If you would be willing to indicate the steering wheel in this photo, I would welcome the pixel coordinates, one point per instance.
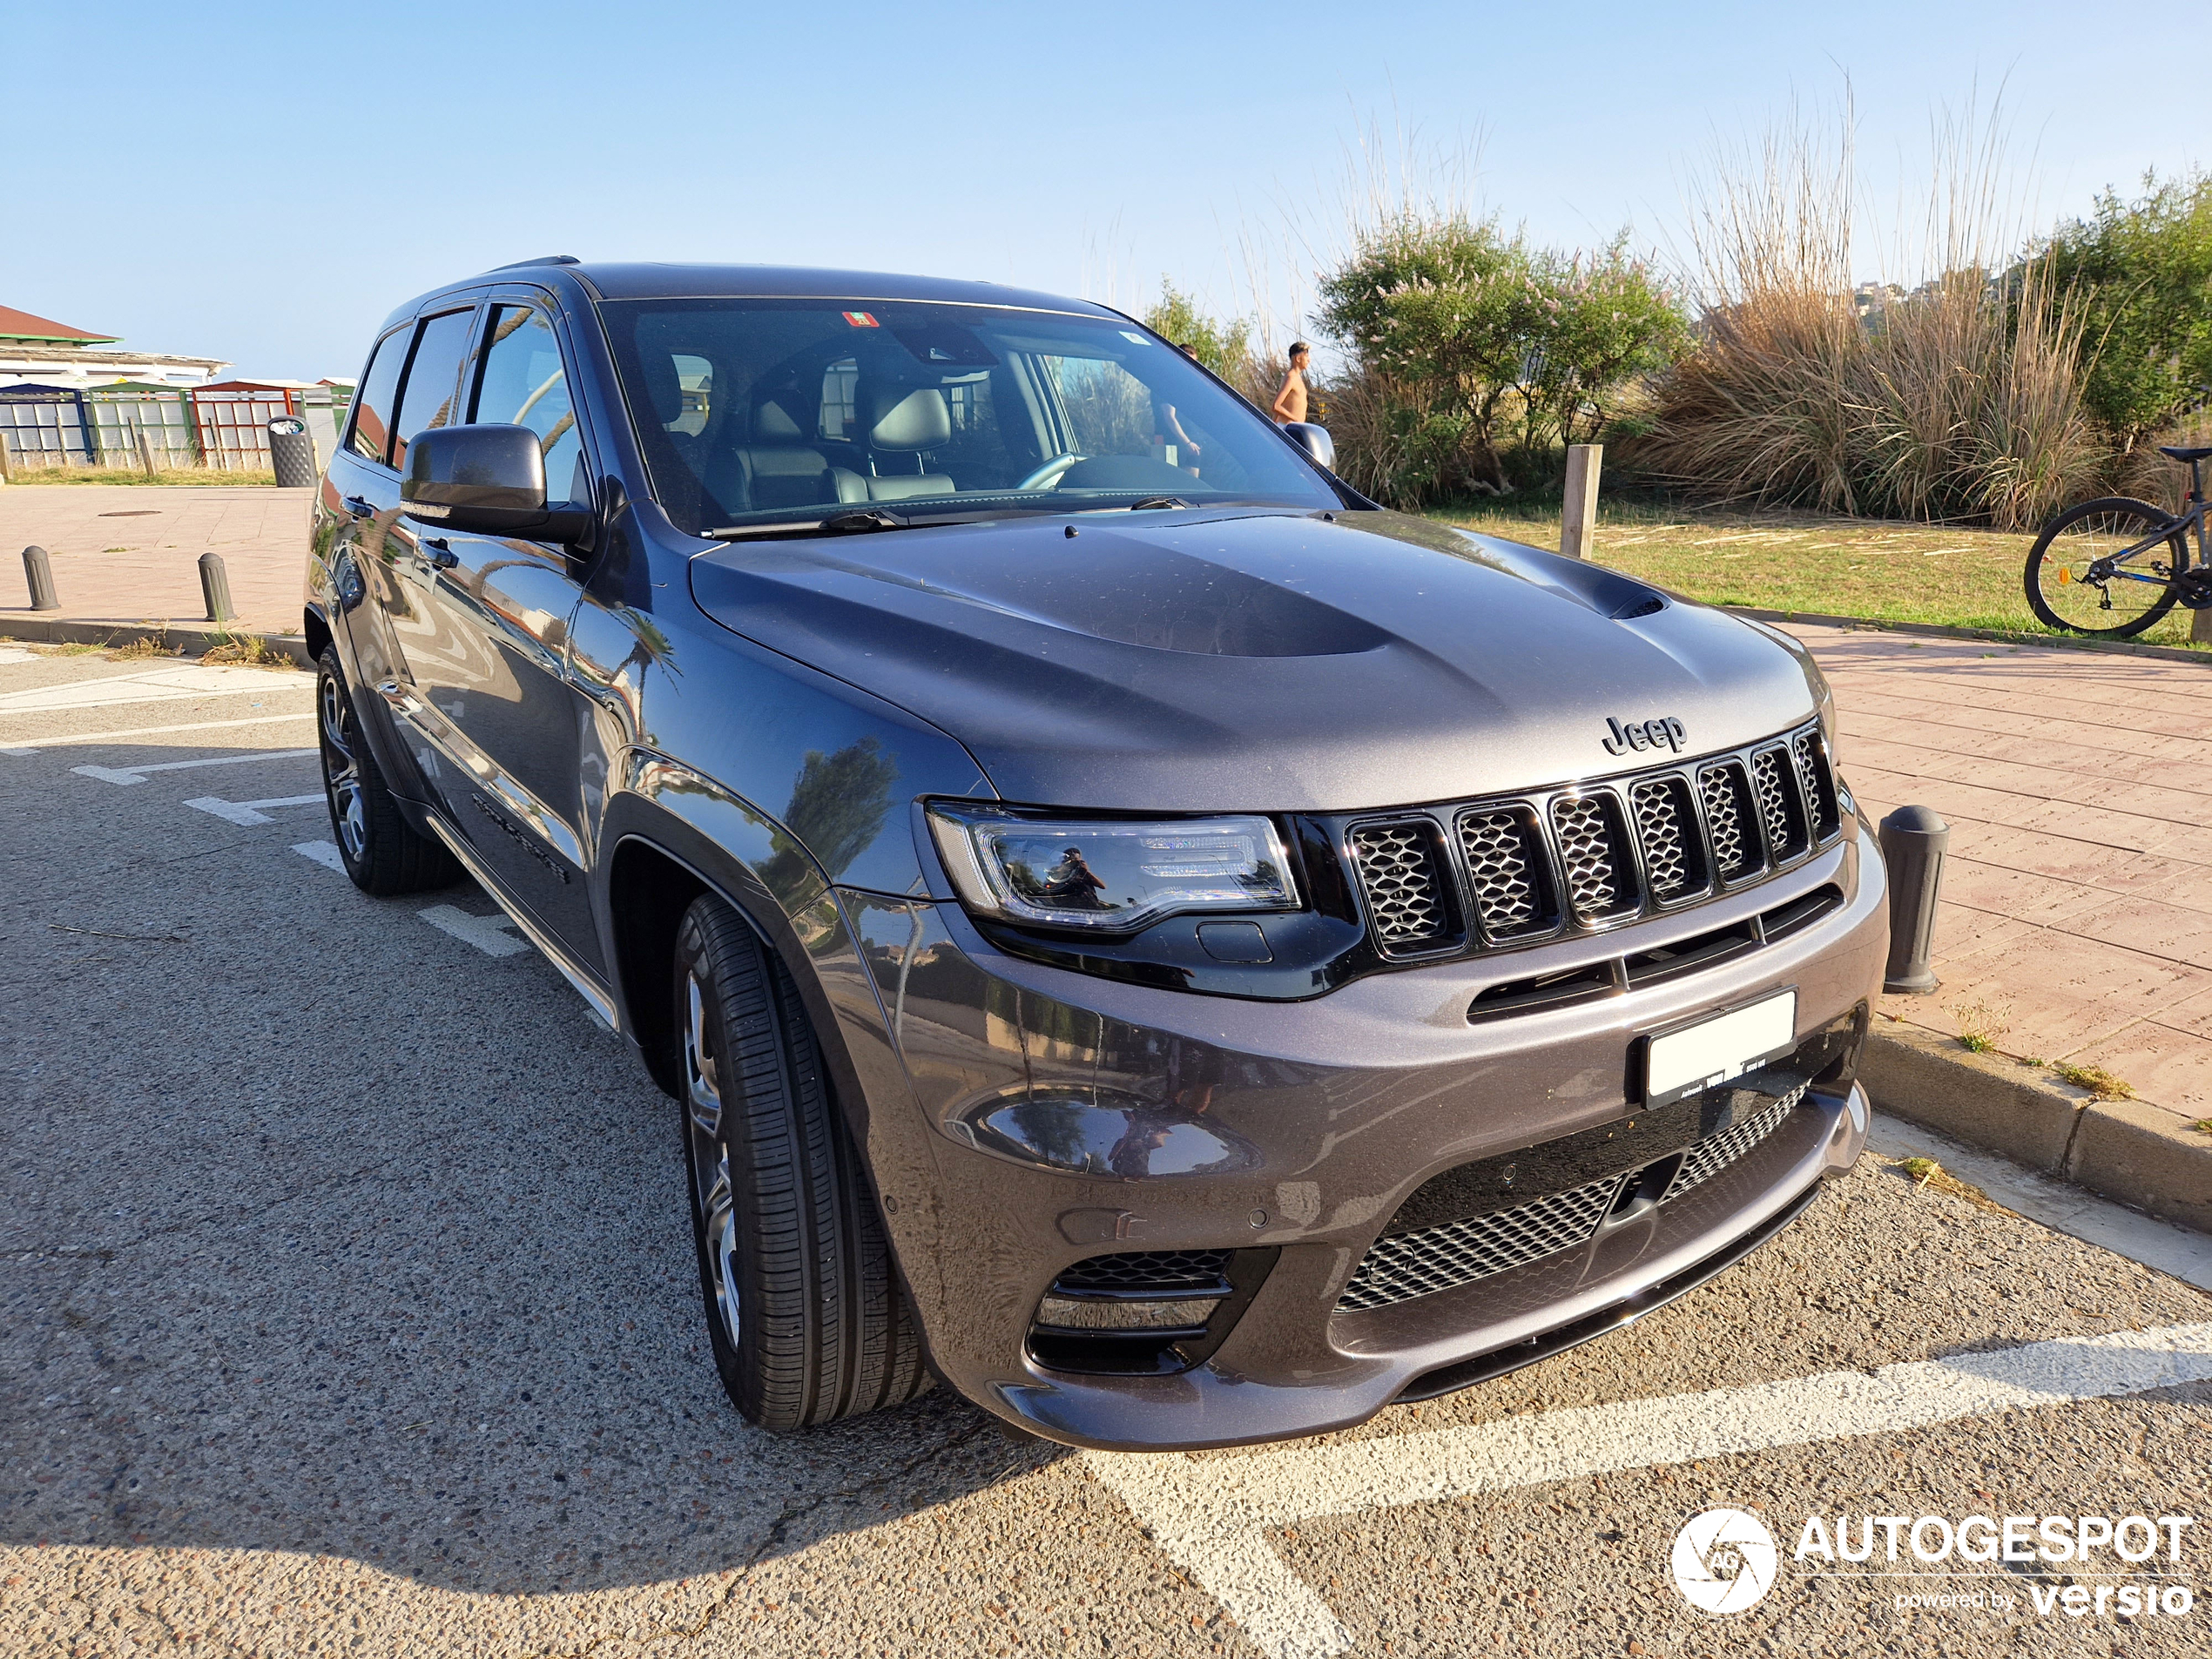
(1049, 474)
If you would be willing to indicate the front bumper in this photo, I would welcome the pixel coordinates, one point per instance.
(1298, 1130)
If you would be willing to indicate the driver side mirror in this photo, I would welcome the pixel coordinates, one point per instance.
(1315, 440)
(489, 480)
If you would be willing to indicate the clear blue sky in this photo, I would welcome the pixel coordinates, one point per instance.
(263, 182)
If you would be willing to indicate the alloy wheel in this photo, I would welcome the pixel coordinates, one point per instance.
(713, 1190)
(341, 771)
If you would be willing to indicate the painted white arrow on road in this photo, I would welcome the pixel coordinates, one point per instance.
(138, 774)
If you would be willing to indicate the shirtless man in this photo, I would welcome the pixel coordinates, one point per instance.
(1290, 402)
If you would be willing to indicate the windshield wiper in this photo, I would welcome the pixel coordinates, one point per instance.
(1153, 501)
(858, 520)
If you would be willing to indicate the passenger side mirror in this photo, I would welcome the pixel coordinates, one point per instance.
(489, 480)
(1314, 440)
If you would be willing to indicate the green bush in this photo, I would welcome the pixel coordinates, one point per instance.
(1473, 354)
(2140, 275)
(1225, 346)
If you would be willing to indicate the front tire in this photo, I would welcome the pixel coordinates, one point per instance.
(2065, 588)
(381, 850)
(805, 1312)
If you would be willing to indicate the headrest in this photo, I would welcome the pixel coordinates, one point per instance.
(902, 417)
(773, 422)
(661, 384)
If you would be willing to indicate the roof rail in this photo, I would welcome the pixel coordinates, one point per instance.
(543, 259)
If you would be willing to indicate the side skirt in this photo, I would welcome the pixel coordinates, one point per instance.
(580, 979)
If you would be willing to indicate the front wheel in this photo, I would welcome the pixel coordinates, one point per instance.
(381, 850)
(806, 1315)
(2081, 577)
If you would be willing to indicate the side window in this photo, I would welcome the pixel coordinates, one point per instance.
(695, 376)
(427, 399)
(370, 435)
(520, 383)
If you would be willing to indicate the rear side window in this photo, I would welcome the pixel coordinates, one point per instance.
(433, 379)
(370, 436)
(520, 383)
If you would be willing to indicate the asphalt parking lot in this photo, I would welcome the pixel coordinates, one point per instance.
(350, 1308)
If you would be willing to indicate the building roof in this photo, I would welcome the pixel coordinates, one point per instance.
(21, 326)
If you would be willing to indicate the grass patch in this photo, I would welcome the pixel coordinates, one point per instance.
(1980, 1024)
(1927, 1174)
(2097, 1081)
(250, 648)
(1880, 569)
(143, 646)
(29, 477)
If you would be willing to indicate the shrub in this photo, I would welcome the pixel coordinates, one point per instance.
(1225, 346)
(1959, 400)
(1466, 346)
(2141, 274)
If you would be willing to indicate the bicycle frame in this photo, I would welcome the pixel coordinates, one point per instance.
(2103, 570)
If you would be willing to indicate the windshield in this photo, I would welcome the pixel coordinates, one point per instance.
(762, 412)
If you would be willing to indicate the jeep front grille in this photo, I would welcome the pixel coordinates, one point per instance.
(1781, 814)
(1399, 1267)
(1667, 830)
(1505, 859)
(1593, 857)
(1399, 875)
(1730, 820)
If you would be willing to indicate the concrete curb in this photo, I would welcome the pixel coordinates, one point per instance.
(196, 639)
(2138, 1154)
(1995, 635)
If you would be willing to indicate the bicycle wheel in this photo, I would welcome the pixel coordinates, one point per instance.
(2075, 581)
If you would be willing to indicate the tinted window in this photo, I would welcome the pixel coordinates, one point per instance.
(433, 375)
(371, 433)
(520, 383)
(774, 412)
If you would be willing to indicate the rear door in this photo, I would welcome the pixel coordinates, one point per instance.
(489, 667)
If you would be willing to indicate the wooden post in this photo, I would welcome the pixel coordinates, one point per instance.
(2201, 626)
(145, 453)
(1578, 518)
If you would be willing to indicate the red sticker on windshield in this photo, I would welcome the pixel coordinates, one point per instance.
(862, 319)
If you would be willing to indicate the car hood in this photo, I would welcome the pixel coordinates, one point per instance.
(1256, 661)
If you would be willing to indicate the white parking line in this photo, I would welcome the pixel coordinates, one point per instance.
(323, 853)
(249, 812)
(1209, 1517)
(153, 685)
(486, 933)
(138, 775)
(17, 654)
(31, 745)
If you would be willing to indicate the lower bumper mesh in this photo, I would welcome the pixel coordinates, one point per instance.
(1400, 1267)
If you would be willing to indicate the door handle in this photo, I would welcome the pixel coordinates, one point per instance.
(358, 507)
(443, 557)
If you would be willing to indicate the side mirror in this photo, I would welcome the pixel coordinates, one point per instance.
(489, 480)
(1315, 440)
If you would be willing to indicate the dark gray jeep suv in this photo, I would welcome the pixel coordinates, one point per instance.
(1134, 931)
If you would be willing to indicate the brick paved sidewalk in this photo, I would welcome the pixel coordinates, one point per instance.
(2077, 899)
(157, 534)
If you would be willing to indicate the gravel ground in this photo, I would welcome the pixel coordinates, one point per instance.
(350, 1308)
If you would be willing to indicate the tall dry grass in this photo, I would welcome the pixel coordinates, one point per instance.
(1959, 402)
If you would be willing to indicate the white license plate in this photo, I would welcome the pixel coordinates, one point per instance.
(1709, 1053)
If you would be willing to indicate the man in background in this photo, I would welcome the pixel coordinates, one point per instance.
(1290, 402)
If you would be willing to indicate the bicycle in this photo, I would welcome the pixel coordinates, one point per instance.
(2113, 566)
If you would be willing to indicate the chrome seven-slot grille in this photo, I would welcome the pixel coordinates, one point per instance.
(1589, 856)
(1400, 1266)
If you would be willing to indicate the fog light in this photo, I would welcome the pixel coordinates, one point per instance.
(1094, 1313)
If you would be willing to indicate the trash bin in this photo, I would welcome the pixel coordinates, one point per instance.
(292, 452)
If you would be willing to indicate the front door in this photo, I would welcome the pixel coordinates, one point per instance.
(491, 672)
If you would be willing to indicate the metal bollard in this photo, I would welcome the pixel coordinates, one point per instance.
(38, 570)
(1913, 839)
(215, 586)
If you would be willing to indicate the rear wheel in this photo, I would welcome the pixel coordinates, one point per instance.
(380, 848)
(805, 1312)
(2077, 583)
